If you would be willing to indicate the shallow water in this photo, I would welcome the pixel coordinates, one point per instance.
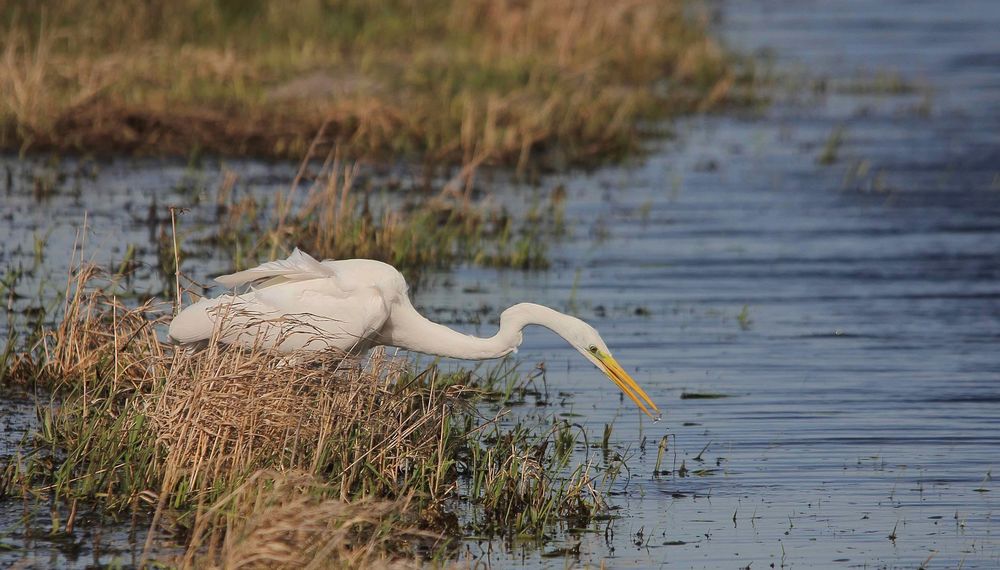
(865, 391)
(863, 380)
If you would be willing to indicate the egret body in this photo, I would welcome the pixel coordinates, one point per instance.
(351, 305)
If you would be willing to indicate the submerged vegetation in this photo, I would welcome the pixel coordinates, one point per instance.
(452, 80)
(238, 458)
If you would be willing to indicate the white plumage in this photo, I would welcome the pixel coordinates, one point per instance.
(297, 303)
(301, 304)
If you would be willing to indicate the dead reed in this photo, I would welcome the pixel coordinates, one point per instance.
(327, 214)
(287, 520)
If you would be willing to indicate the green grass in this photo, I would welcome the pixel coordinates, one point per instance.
(455, 80)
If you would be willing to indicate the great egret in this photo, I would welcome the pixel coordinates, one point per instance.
(351, 305)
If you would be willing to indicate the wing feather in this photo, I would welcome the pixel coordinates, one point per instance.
(310, 315)
(299, 266)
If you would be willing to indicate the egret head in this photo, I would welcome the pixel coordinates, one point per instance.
(588, 341)
(582, 337)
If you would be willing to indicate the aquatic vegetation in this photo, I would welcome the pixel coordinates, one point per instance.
(702, 395)
(512, 478)
(744, 319)
(831, 148)
(884, 82)
(330, 217)
(444, 79)
(238, 456)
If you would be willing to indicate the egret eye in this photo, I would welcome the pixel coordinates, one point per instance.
(593, 349)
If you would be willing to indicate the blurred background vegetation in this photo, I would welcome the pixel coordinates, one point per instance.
(458, 81)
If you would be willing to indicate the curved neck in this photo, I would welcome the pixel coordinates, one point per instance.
(410, 330)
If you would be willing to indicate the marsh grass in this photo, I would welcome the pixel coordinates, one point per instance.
(288, 519)
(453, 80)
(328, 215)
(132, 421)
(518, 478)
(831, 148)
(241, 458)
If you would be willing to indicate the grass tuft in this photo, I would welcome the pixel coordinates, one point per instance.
(329, 216)
(290, 520)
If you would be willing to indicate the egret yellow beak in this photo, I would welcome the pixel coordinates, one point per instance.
(621, 379)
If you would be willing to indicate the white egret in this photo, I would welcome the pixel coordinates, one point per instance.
(351, 305)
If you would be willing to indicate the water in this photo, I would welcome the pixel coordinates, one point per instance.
(862, 421)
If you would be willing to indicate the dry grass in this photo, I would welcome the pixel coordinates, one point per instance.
(453, 80)
(133, 421)
(326, 214)
(286, 520)
(243, 458)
